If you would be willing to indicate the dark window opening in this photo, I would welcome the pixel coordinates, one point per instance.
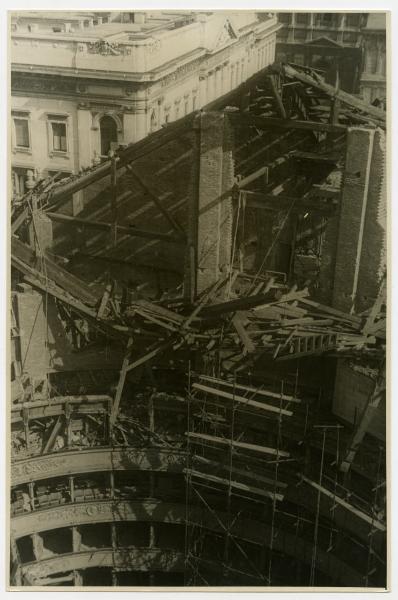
(22, 133)
(59, 137)
(25, 549)
(108, 131)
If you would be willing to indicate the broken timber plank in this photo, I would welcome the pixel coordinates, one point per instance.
(331, 91)
(51, 440)
(243, 335)
(277, 97)
(120, 385)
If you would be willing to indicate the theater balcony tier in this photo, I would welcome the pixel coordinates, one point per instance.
(249, 532)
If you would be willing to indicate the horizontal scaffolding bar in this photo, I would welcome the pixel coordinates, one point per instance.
(242, 400)
(253, 390)
(235, 484)
(243, 445)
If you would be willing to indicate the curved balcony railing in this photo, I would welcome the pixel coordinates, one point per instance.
(128, 559)
(250, 530)
(70, 462)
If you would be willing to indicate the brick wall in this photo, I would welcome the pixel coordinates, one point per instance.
(362, 228)
(214, 237)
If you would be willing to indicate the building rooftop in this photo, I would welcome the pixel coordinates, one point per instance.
(376, 21)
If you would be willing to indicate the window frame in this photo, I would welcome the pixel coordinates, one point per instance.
(55, 119)
(21, 116)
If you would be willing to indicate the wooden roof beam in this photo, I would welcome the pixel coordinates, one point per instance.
(102, 225)
(270, 122)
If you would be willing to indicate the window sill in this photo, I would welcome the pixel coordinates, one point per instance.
(56, 153)
(22, 150)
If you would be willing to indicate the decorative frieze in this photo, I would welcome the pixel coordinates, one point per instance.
(88, 461)
(181, 72)
(138, 559)
(105, 511)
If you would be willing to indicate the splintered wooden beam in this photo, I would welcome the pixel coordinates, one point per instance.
(277, 97)
(102, 225)
(234, 484)
(51, 440)
(331, 91)
(122, 379)
(237, 322)
(372, 521)
(242, 445)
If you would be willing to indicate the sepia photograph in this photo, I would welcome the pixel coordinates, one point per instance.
(197, 301)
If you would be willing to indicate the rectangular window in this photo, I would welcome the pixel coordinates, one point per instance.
(22, 138)
(301, 18)
(193, 102)
(59, 137)
(352, 20)
(18, 182)
(57, 132)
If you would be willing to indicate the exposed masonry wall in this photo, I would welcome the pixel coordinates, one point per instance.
(373, 258)
(215, 216)
(362, 222)
(32, 331)
(44, 344)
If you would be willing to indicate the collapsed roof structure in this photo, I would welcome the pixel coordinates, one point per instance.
(198, 355)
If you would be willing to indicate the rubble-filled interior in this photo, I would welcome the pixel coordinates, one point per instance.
(198, 355)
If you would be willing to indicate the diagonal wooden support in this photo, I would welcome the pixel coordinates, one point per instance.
(120, 385)
(359, 513)
(175, 225)
(370, 409)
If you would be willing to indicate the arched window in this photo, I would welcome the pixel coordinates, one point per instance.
(108, 130)
(154, 121)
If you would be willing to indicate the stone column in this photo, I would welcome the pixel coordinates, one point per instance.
(310, 28)
(76, 539)
(128, 125)
(340, 35)
(218, 82)
(141, 126)
(84, 125)
(210, 86)
(290, 36)
(202, 90)
(226, 77)
(135, 123)
(38, 547)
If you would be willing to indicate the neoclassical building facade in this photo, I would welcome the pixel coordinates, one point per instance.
(81, 87)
